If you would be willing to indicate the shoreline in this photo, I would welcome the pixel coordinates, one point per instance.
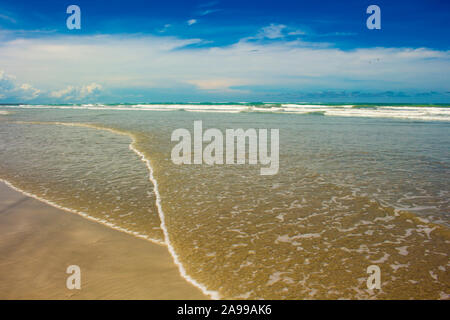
(81, 214)
(212, 294)
(39, 241)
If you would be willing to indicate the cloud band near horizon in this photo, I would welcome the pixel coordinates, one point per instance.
(109, 68)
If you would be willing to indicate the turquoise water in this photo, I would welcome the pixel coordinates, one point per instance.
(354, 188)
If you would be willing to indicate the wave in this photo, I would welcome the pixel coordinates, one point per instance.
(83, 214)
(406, 112)
(284, 238)
(316, 113)
(213, 294)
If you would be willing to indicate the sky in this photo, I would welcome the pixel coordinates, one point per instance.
(224, 51)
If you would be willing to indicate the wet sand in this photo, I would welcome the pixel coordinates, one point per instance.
(38, 242)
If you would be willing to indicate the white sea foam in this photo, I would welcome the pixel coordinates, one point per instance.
(393, 112)
(383, 259)
(397, 266)
(403, 250)
(213, 294)
(83, 214)
(278, 276)
(433, 275)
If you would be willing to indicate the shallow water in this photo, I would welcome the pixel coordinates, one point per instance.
(350, 192)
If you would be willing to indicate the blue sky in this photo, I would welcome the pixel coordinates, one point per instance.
(153, 51)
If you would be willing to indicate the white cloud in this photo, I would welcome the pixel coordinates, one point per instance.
(163, 62)
(90, 89)
(165, 27)
(273, 31)
(296, 32)
(277, 31)
(29, 92)
(191, 21)
(11, 89)
(77, 93)
(6, 81)
(66, 92)
(209, 11)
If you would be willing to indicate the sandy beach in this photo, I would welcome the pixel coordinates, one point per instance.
(38, 242)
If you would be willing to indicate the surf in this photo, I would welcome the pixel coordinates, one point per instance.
(132, 147)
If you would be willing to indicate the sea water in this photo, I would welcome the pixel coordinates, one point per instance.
(356, 186)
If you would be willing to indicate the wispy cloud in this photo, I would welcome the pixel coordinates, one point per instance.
(219, 84)
(7, 18)
(273, 31)
(165, 28)
(277, 31)
(81, 63)
(207, 8)
(190, 22)
(209, 11)
(296, 33)
(334, 34)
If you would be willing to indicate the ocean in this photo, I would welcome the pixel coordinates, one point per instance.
(357, 185)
